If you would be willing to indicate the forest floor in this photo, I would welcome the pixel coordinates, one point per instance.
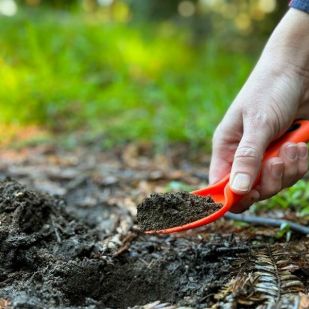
(80, 246)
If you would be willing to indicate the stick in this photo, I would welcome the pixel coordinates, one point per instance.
(268, 221)
(56, 230)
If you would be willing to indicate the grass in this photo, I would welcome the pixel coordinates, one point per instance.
(145, 81)
(294, 198)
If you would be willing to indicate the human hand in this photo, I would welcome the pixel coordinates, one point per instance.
(275, 94)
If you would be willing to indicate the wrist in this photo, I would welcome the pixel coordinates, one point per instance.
(289, 43)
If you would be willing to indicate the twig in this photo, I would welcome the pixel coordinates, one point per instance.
(125, 243)
(268, 221)
(55, 230)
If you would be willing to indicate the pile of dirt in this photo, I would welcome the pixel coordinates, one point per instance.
(52, 259)
(43, 249)
(49, 259)
(164, 210)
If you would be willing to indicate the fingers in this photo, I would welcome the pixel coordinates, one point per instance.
(288, 153)
(248, 158)
(295, 158)
(278, 173)
(272, 177)
(285, 170)
(303, 158)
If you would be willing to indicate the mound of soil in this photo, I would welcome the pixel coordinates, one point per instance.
(45, 254)
(52, 259)
(165, 210)
(49, 259)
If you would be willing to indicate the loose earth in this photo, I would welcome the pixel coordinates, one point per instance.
(166, 210)
(51, 259)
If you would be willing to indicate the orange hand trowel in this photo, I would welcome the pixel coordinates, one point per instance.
(220, 192)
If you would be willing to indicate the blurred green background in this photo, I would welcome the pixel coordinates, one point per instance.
(158, 70)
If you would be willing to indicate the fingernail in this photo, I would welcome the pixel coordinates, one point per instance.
(277, 170)
(241, 182)
(291, 152)
(303, 152)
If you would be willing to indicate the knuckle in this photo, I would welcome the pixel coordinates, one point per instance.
(257, 117)
(245, 152)
(263, 120)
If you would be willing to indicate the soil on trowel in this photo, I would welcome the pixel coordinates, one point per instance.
(166, 210)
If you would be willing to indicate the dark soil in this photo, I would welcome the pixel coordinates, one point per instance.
(50, 259)
(80, 247)
(165, 210)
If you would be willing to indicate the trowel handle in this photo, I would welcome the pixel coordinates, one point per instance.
(298, 132)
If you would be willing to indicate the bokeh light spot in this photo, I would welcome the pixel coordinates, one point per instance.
(211, 2)
(267, 6)
(105, 2)
(243, 22)
(186, 8)
(8, 7)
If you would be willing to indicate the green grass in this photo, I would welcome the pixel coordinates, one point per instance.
(295, 198)
(145, 81)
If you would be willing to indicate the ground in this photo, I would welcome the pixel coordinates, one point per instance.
(80, 246)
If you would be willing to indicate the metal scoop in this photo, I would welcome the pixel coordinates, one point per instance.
(220, 192)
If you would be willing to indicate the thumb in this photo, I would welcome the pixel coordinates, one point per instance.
(248, 158)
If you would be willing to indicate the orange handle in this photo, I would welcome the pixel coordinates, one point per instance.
(298, 132)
